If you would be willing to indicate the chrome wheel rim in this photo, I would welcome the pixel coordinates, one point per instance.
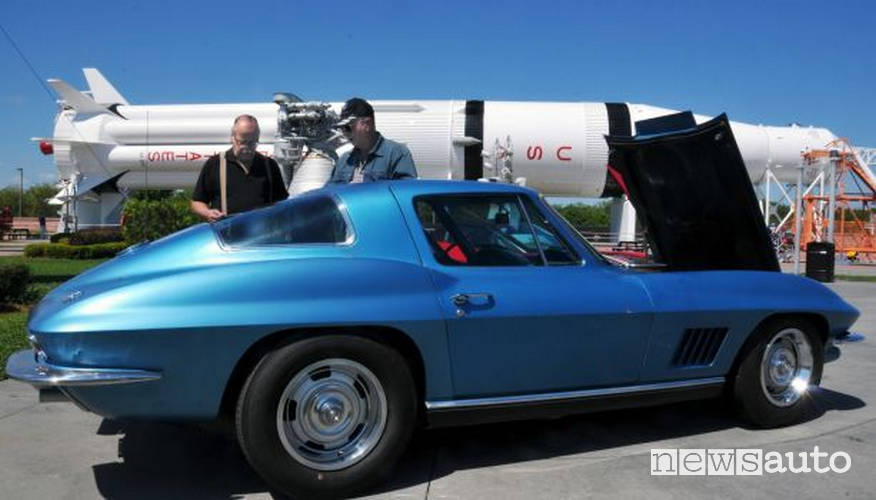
(331, 414)
(786, 367)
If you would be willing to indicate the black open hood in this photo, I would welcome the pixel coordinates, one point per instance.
(692, 193)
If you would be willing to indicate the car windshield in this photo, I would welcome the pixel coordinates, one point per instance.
(308, 219)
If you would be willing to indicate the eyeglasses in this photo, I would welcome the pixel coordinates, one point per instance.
(245, 142)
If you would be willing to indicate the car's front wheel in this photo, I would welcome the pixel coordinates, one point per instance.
(327, 415)
(777, 370)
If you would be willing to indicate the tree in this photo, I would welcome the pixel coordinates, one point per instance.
(9, 198)
(35, 200)
(587, 217)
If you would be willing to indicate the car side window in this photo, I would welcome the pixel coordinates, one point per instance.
(475, 230)
(304, 220)
(445, 247)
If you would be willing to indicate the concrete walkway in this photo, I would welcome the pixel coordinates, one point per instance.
(839, 269)
(11, 248)
(54, 450)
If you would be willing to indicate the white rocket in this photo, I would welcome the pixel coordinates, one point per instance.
(557, 147)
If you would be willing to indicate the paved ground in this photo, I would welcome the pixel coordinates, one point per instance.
(15, 247)
(56, 451)
(840, 268)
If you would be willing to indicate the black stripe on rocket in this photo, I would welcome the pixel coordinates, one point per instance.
(618, 124)
(474, 127)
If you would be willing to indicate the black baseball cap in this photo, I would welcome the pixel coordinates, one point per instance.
(355, 108)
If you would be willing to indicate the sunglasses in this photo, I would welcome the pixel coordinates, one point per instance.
(348, 128)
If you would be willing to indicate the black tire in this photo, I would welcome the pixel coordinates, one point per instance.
(760, 396)
(315, 472)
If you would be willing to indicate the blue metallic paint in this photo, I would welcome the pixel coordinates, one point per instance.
(738, 300)
(511, 346)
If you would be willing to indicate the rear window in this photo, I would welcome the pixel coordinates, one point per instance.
(315, 219)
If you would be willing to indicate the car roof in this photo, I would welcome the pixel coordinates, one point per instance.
(411, 188)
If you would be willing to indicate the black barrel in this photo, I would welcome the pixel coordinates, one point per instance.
(820, 261)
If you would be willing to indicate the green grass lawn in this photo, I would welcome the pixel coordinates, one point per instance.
(46, 274)
(12, 336)
(46, 270)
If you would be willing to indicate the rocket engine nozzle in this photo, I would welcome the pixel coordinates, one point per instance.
(302, 128)
(305, 123)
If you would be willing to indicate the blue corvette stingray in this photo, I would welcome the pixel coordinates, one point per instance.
(331, 325)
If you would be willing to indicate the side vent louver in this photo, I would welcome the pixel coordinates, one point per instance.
(699, 346)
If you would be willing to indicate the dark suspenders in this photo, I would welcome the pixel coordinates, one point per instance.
(270, 179)
(223, 180)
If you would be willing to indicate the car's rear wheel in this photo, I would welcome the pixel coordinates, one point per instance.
(327, 416)
(783, 362)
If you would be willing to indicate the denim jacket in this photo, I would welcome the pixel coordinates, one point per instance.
(387, 160)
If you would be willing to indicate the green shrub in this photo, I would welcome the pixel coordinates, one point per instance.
(150, 219)
(36, 291)
(13, 283)
(65, 251)
(36, 249)
(57, 237)
(96, 235)
(153, 194)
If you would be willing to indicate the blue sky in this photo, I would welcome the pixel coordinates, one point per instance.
(761, 62)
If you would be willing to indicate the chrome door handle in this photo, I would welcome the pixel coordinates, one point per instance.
(461, 299)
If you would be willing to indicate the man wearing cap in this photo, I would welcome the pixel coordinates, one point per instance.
(374, 157)
(239, 179)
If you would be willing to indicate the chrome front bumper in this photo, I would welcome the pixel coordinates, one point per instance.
(31, 366)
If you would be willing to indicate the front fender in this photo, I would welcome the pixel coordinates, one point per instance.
(195, 324)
